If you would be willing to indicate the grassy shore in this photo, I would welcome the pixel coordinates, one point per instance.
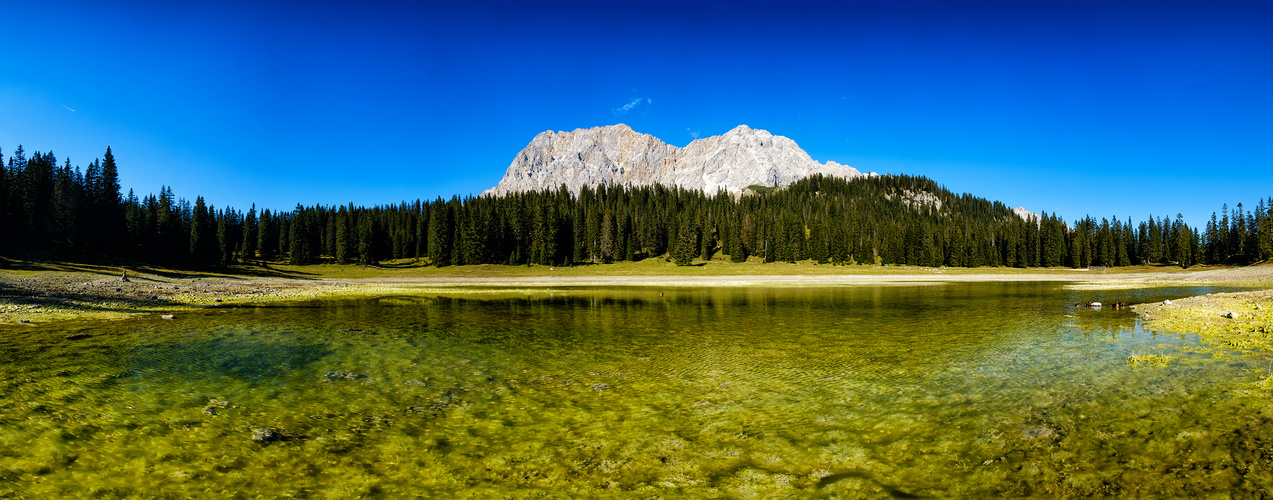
(38, 291)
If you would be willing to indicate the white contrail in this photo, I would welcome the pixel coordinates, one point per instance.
(68, 107)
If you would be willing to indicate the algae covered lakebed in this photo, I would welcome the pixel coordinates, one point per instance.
(958, 389)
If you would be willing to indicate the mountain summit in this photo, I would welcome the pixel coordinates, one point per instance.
(615, 154)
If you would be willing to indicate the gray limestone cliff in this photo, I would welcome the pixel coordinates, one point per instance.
(616, 154)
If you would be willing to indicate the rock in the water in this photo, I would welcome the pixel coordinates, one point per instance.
(343, 375)
(1037, 432)
(218, 299)
(78, 336)
(215, 404)
(167, 316)
(1230, 315)
(600, 387)
(616, 154)
(267, 435)
(1166, 302)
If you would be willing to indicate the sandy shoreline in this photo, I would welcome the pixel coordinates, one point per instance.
(33, 297)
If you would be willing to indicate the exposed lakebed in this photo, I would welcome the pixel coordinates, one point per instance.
(929, 390)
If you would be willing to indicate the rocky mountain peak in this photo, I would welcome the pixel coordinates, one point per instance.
(616, 154)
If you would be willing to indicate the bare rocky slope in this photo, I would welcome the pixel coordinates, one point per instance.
(615, 154)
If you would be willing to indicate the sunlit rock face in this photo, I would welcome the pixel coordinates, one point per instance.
(616, 154)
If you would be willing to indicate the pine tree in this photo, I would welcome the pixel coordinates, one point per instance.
(225, 237)
(440, 234)
(737, 249)
(368, 253)
(344, 236)
(1264, 231)
(107, 206)
(247, 245)
(607, 237)
(299, 249)
(201, 225)
(4, 203)
(267, 236)
(686, 243)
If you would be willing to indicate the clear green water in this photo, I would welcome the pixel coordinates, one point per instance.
(957, 390)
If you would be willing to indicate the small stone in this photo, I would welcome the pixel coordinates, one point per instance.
(343, 375)
(1229, 315)
(119, 289)
(1037, 432)
(214, 402)
(1166, 302)
(267, 435)
(152, 297)
(24, 321)
(218, 299)
(167, 316)
(600, 387)
(210, 411)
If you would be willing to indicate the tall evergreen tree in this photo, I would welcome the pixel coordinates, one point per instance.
(267, 236)
(607, 249)
(299, 249)
(686, 242)
(251, 236)
(344, 236)
(202, 229)
(368, 253)
(440, 233)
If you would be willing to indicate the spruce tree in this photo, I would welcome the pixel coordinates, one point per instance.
(607, 249)
(247, 247)
(440, 234)
(344, 237)
(225, 238)
(367, 251)
(1264, 231)
(686, 243)
(267, 236)
(200, 250)
(299, 250)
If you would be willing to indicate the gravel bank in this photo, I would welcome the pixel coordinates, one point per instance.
(36, 296)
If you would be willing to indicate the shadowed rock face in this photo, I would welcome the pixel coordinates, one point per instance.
(616, 154)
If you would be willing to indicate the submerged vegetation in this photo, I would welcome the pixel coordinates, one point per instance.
(1149, 359)
(630, 392)
(47, 208)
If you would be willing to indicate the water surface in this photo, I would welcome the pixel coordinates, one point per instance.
(858, 391)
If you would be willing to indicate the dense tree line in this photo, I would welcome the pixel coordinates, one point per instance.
(880, 220)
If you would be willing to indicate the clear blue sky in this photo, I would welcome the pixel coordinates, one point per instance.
(1102, 108)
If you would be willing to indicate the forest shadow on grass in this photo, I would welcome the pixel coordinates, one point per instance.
(241, 271)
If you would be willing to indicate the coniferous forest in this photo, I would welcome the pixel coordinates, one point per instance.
(60, 210)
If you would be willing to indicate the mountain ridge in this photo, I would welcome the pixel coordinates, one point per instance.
(616, 154)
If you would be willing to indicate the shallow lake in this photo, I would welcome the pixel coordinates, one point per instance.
(860, 391)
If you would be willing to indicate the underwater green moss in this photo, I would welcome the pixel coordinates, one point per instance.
(958, 390)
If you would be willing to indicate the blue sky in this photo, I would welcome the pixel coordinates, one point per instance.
(1102, 108)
